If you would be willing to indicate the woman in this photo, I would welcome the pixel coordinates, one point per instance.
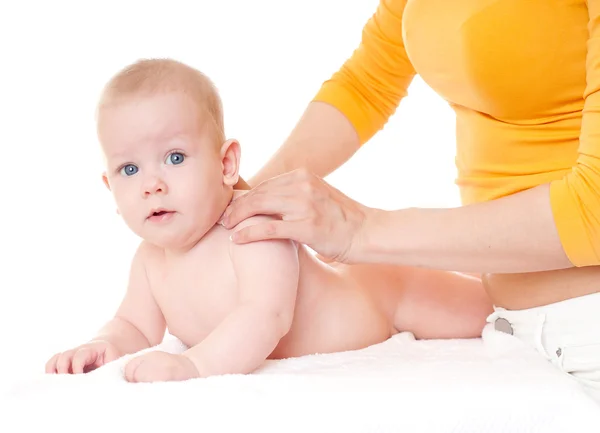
(524, 81)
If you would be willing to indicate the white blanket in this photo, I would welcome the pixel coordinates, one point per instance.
(484, 385)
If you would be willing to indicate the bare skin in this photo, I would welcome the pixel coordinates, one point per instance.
(237, 305)
(337, 307)
(324, 139)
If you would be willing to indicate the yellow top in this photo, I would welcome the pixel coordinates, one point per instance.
(523, 78)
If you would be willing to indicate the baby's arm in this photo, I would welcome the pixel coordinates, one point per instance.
(138, 322)
(267, 273)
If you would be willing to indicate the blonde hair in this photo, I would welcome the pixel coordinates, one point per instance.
(147, 77)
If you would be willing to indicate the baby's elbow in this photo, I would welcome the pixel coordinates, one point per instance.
(276, 319)
(281, 321)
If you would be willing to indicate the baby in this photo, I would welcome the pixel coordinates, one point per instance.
(172, 174)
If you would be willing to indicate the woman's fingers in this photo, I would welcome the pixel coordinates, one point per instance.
(259, 203)
(272, 230)
(285, 195)
(312, 212)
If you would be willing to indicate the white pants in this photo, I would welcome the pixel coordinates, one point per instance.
(566, 333)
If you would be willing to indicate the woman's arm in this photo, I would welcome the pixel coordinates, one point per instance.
(508, 235)
(353, 104)
(552, 226)
(549, 227)
(322, 141)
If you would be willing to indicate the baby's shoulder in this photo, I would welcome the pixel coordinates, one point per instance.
(149, 253)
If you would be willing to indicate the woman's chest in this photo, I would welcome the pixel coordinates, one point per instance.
(511, 59)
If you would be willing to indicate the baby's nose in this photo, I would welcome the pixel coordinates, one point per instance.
(154, 186)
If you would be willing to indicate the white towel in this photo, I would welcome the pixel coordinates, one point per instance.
(488, 385)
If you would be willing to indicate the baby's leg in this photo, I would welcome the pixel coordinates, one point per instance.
(429, 303)
(439, 304)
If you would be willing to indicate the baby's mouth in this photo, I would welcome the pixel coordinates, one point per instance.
(159, 214)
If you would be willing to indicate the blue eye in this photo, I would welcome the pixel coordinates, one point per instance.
(129, 170)
(175, 158)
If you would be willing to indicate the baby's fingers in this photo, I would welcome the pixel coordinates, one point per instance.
(63, 366)
(82, 358)
(131, 367)
(51, 364)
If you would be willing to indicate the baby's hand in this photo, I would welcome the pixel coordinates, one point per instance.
(160, 367)
(83, 359)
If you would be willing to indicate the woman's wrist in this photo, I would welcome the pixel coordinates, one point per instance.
(378, 241)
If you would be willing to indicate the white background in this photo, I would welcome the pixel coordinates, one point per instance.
(65, 252)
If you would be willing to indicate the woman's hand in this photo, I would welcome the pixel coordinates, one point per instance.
(312, 212)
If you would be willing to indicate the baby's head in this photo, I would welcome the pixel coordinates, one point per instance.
(168, 165)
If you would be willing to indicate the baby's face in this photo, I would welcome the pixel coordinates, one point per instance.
(164, 168)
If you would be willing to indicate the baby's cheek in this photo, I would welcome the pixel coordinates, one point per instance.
(202, 198)
(132, 213)
(126, 198)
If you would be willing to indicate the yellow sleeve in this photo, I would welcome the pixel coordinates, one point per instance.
(371, 83)
(575, 199)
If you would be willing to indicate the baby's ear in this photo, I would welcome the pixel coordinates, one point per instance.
(105, 180)
(230, 157)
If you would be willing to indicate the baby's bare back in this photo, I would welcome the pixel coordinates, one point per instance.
(334, 310)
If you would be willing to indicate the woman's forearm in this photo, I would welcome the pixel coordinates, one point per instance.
(509, 235)
(322, 141)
